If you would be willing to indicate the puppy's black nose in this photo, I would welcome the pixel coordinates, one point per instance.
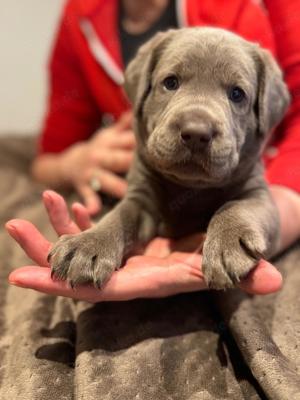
(197, 136)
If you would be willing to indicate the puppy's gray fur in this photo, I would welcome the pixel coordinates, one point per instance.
(178, 187)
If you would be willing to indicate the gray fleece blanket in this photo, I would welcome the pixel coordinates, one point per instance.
(200, 346)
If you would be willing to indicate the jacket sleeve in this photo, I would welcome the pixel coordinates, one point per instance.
(284, 167)
(252, 23)
(72, 114)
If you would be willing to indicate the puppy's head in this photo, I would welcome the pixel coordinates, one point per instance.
(204, 100)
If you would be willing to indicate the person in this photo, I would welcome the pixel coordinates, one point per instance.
(95, 41)
(76, 112)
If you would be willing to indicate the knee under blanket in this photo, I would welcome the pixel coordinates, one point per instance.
(200, 346)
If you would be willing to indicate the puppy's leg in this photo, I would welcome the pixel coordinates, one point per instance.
(239, 235)
(93, 255)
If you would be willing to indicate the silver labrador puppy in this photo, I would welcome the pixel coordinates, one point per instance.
(204, 102)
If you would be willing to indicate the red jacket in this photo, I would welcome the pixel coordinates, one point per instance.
(284, 167)
(86, 70)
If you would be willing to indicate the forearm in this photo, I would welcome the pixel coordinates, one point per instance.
(288, 205)
(256, 211)
(47, 169)
(131, 223)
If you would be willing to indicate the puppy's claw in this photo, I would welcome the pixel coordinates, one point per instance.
(72, 284)
(52, 274)
(78, 259)
(251, 249)
(49, 257)
(234, 278)
(98, 284)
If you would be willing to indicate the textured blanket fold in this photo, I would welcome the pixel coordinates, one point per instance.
(199, 346)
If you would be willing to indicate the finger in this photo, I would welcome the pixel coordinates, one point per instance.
(123, 285)
(82, 216)
(125, 120)
(34, 277)
(58, 213)
(90, 198)
(124, 141)
(126, 284)
(162, 247)
(115, 160)
(112, 184)
(35, 245)
(112, 138)
(192, 243)
(263, 279)
(158, 247)
(154, 277)
(194, 260)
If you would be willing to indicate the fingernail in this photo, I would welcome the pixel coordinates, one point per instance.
(13, 230)
(15, 284)
(16, 278)
(48, 198)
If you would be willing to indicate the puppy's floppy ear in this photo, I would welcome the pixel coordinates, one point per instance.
(139, 71)
(273, 95)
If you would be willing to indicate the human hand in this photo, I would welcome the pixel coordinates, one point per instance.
(160, 272)
(99, 160)
(288, 205)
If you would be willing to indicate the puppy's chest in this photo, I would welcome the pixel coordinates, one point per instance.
(187, 211)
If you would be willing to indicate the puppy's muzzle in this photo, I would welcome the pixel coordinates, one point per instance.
(197, 131)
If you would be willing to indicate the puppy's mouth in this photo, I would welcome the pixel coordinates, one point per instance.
(197, 168)
(211, 164)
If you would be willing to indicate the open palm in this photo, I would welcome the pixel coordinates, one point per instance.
(166, 267)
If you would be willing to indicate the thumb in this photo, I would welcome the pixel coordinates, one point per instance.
(90, 198)
(263, 279)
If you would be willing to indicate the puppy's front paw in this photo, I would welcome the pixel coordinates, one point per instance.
(83, 258)
(229, 255)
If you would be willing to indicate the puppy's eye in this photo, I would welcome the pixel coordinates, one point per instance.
(236, 94)
(171, 82)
